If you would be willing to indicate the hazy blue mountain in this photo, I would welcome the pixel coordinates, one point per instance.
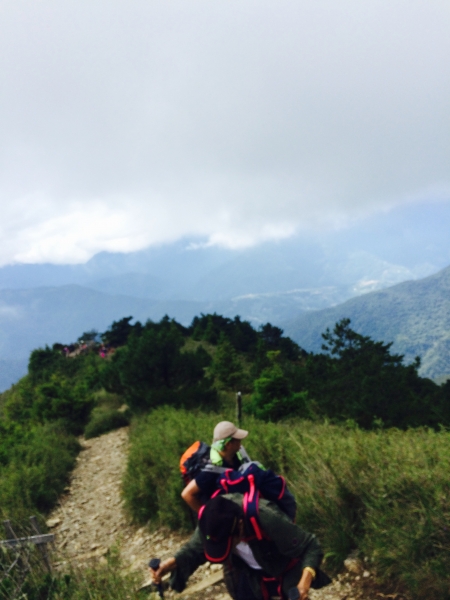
(176, 264)
(32, 318)
(138, 285)
(414, 315)
(272, 268)
(11, 371)
(405, 243)
(35, 317)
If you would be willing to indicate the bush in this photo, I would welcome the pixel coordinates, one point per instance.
(103, 421)
(36, 470)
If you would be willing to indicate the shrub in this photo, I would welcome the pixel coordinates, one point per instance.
(36, 470)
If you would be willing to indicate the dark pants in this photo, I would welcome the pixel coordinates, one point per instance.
(243, 583)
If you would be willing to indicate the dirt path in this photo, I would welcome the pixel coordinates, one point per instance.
(90, 520)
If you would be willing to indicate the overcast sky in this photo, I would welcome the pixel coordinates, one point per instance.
(124, 124)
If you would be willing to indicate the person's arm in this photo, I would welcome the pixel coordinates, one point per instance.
(305, 582)
(290, 539)
(187, 560)
(191, 495)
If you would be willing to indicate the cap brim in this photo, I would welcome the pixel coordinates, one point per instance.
(217, 552)
(240, 434)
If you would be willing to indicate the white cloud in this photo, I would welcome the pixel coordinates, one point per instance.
(127, 124)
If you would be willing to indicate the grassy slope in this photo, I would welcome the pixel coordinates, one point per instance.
(384, 493)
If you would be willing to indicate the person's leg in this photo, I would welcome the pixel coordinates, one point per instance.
(245, 590)
(241, 581)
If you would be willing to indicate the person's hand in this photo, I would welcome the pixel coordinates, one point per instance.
(165, 567)
(303, 593)
(304, 584)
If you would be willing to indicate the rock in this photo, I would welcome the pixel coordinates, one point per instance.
(53, 522)
(354, 565)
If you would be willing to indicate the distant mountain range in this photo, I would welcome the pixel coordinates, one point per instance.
(414, 315)
(290, 281)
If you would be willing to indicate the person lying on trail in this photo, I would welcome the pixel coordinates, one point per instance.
(262, 557)
(228, 469)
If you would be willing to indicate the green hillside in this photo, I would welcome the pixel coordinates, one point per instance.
(414, 315)
(362, 438)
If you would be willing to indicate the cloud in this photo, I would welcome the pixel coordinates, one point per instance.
(129, 124)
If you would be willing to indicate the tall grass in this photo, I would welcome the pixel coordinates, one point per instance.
(384, 494)
(152, 484)
(37, 471)
(95, 582)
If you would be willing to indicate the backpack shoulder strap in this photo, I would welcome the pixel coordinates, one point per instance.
(210, 468)
(243, 455)
(250, 505)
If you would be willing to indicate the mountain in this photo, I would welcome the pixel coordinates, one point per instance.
(35, 317)
(414, 315)
(190, 270)
(11, 371)
(277, 281)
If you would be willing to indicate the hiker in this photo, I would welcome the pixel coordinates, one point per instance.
(227, 467)
(265, 555)
(225, 452)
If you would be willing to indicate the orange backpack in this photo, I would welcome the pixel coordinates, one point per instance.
(195, 458)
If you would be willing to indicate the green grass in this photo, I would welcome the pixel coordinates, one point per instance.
(103, 420)
(384, 494)
(97, 582)
(36, 471)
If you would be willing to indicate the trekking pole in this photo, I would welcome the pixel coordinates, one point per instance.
(154, 564)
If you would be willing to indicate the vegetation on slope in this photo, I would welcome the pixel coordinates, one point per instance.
(324, 420)
(415, 315)
(383, 493)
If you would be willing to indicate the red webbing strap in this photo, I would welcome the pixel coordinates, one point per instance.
(251, 507)
(283, 487)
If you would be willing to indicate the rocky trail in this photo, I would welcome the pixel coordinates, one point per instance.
(90, 520)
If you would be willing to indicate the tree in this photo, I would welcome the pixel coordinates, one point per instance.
(118, 333)
(360, 379)
(226, 365)
(89, 336)
(43, 362)
(273, 397)
(274, 340)
(151, 369)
